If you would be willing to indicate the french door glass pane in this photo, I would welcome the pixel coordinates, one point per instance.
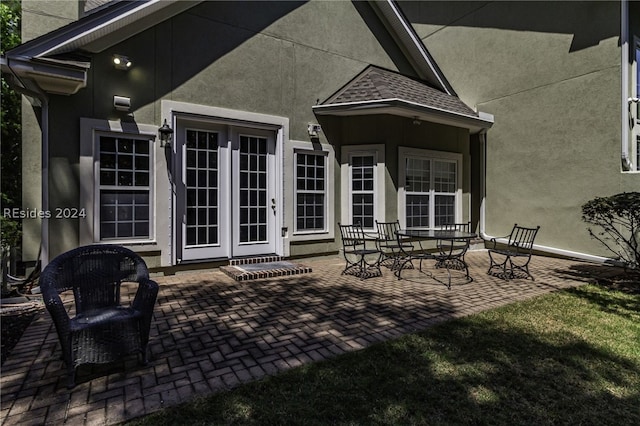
(638, 71)
(202, 227)
(253, 189)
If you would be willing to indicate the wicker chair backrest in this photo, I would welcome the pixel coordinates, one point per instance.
(94, 273)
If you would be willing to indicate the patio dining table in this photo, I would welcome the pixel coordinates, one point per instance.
(447, 251)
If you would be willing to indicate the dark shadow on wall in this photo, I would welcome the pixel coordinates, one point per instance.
(589, 22)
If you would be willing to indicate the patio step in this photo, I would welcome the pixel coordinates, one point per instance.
(254, 268)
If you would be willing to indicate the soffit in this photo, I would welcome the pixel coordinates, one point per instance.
(103, 28)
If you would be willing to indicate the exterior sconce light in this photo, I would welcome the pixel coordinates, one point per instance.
(165, 133)
(122, 62)
(313, 130)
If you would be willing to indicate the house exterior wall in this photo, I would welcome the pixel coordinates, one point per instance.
(272, 59)
(394, 132)
(38, 18)
(550, 73)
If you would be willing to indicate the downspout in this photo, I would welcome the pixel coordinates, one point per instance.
(44, 116)
(44, 231)
(626, 106)
(537, 247)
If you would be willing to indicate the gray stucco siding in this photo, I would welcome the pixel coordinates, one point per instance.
(274, 64)
(550, 74)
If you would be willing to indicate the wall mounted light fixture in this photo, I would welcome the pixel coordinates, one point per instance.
(122, 62)
(165, 133)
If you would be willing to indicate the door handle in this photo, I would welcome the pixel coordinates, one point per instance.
(273, 205)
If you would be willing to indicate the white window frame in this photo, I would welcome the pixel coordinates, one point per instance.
(403, 154)
(378, 153)
(91, 130)
(308, 147)
(318, 154)
(117, 189)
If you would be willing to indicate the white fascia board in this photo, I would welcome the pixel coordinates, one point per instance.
(406, 36)
(94, 32)
(395, 106)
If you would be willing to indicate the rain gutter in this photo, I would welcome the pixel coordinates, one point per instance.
(627, 120)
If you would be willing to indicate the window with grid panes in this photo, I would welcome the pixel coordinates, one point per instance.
(253, 189)
(430, 192)
(310, 191)
(125, 195)
(202, 188)
(362, 190)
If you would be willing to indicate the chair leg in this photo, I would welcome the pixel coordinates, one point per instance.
(500, 265)
(524, 268)
(504, 268)
(71, 379)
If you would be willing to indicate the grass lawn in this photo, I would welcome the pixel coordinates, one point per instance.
(571, 357)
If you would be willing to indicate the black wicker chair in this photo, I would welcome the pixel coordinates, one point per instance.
(102, 329)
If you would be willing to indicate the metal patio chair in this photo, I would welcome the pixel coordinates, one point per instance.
(512, 260)
(360, 252)
(102, 330)
(390, 245)
(451, 253)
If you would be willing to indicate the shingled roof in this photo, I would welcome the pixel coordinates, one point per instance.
(374, 84)
(379, 91)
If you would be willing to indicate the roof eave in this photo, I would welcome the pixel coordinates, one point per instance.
(106, 28)
(33, 64)
(52, 76)
(408, 109)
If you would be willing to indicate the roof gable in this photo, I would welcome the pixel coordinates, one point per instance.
(374, 84)
(379, 91)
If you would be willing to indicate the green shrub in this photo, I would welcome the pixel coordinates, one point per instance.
(618, 216)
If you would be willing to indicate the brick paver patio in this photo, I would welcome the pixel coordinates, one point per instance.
(211, 333)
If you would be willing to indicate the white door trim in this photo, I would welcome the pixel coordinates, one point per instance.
(172, 111)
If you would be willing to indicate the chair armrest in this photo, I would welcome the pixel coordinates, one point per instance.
(144, 302)
(494, 240)
(146, 295)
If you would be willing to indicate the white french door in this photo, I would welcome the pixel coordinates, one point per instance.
(225, 199)
(253, 188)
